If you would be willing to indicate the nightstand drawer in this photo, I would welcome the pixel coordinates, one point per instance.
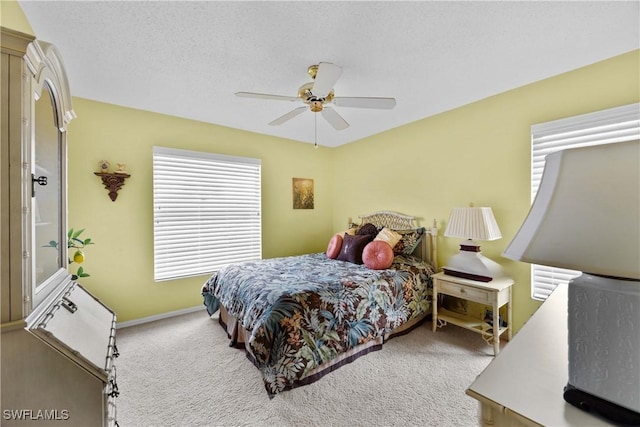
(466, 292)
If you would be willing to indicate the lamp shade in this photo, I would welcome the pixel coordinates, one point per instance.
(586, 214)
(476, 223)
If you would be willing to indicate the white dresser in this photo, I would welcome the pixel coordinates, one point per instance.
(524, 384)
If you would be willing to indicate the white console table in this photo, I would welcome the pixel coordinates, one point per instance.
(524, 384)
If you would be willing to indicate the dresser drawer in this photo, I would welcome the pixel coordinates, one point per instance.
(466, 292)
(81, 327)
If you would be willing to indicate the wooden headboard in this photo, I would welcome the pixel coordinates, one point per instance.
(428, 250)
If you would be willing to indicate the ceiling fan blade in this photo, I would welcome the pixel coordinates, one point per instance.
(334, 118)
(326, 77)
(365, 102)
(267, 96)
(290, 115)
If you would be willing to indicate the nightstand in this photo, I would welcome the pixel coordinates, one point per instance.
(495, 293)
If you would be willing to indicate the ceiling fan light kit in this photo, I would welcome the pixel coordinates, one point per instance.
(318, 93)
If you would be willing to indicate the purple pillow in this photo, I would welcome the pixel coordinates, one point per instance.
(352, 247)
(368, 228)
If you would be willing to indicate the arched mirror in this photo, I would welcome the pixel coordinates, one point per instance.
(49, 242)
(48, 209)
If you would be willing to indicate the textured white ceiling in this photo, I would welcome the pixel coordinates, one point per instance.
(187, 59)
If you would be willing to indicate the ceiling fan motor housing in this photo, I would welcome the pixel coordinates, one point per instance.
(315, 106)
(307, 96)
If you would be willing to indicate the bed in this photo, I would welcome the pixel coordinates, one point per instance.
(301, 317)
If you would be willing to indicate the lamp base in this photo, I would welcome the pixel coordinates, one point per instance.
(469, 263)
(603, 342)
(600, 407)
(457, 273)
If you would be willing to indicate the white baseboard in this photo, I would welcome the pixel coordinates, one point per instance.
(153, 318)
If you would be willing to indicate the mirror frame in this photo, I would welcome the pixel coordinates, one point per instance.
(44, 63)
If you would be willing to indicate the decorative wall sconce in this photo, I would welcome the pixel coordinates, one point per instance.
(113, 181)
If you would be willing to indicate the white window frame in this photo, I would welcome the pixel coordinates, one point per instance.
(601, 127)
(206, 212)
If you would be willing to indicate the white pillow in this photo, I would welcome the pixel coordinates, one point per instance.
(389, 236)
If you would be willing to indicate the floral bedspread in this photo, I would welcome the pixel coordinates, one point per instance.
(305, 310)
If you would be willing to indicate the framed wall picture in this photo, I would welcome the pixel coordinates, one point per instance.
(302, 193)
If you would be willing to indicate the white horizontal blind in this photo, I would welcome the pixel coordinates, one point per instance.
(602, 127)
(206, 212)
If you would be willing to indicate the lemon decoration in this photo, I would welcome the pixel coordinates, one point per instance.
(78, 257)
(77, 243)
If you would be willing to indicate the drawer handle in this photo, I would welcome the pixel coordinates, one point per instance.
(462, 291)
(69, 305)
(114, 389)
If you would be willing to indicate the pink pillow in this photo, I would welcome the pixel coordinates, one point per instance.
(335, 244)
(377, 255)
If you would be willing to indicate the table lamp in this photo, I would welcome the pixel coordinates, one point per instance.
(472, 223)
(586, 217)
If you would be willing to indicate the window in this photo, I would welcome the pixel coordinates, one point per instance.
(602, 127)
(206, 212)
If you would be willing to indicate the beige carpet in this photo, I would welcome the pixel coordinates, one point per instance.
(181, 372)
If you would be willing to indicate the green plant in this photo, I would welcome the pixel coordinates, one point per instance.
(74, 241)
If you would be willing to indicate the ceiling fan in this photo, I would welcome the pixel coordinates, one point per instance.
(319, 93)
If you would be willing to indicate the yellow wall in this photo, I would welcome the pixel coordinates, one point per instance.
(477, 153)
(121, 261)
(11, 16)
